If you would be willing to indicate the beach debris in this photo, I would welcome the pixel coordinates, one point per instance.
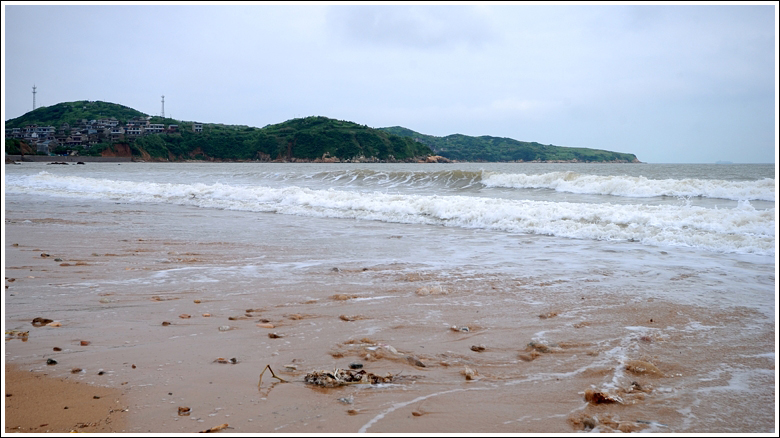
(265, 325)
(225, 328)
(343, 297)
(166, 323)
(58, 259)
(414, 361)
(584, 422)
(353, 411)
(268, 367)
(355, 366)
(415, 276)
(159, 298)
(351, 318)
(184, 411)
(469, 373)
(84, 343)
(389, 348)
(636, 387)
(54, 324)
(479, 347)
(275, 335)
(540, 346)
(57, 349)
(291, 367)
(237, 318)
(232, 360)
(528, 357)
(347, 400)
(16, 334)
(197, 301)
(295, 316)
(548, 315)
(185, 316)
(206, 315)
(44, 255)
(40, 322)
(642, 367)
(335, 269)
(76, 370)
(433, 290)
(606, 423)
(598, 397)
(216, 428)
(133, 366)
(51, 362)
(341, 377)
(463, 329)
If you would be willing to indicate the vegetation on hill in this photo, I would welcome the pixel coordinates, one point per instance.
(485, 148)
(305, 139)
(302, 139)
(14, 146)
(72, 113)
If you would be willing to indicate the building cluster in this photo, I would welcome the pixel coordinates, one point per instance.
(88, 133)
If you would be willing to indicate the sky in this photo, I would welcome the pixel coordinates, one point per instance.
(670, 83)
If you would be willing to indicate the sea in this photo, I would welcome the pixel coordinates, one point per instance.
(651, 284)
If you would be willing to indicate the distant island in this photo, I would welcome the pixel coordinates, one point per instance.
(102, 129)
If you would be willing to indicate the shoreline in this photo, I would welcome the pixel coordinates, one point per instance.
(15, 159)
(489, 337)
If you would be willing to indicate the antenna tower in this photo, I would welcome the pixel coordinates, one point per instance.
(163, 106)
(34, 96)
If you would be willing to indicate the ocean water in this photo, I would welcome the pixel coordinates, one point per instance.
(720, 208)
(605, 250)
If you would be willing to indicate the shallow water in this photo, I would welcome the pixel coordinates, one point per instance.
(683, 337)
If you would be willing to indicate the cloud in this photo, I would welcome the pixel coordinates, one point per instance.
(417, 27)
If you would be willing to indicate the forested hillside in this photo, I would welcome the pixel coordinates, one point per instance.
(303, 139)
(485, 148)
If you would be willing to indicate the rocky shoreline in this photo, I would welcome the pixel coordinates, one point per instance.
(69, 159)
(9, 159)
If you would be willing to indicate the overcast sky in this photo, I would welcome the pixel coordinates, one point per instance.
(671, 84)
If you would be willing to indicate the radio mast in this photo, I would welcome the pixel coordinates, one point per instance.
(163, 106)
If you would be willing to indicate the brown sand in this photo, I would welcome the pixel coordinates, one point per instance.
(36, 402)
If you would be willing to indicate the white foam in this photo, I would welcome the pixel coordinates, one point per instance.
(742, 229)
(636, 186)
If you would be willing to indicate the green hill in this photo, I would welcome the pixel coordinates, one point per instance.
(72, 113)
(485, 148)
(302, 139)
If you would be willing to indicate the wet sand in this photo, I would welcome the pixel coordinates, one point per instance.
(469, 350)
(38, 403)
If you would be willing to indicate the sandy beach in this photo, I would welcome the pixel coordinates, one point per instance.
(170, 320)
(38, 403)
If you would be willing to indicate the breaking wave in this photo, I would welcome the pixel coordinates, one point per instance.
(636, 187)
(742, 229)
